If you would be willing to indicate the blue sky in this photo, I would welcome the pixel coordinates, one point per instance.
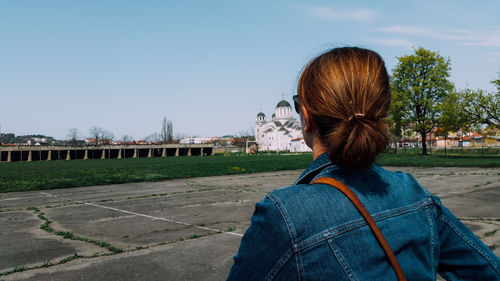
(209, 66)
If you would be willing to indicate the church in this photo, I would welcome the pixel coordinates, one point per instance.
(281, 133)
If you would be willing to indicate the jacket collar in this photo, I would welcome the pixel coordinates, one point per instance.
(314, 169)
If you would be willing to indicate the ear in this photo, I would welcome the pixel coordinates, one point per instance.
(306, 119)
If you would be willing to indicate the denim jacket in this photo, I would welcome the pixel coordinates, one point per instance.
(313, 232)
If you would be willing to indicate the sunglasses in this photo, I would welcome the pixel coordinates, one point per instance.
(297, 104)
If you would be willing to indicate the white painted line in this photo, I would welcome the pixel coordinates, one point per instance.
(19, 198)
(47, 194)
(10, 199)
(150, 217)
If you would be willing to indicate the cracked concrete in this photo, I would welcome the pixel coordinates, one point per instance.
(184, 229)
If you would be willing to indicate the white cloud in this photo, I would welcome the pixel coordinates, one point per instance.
(393, 42)
(326, 13)
(466, 37)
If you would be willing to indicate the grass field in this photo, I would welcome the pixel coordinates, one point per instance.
(23, 176)
(453, 151)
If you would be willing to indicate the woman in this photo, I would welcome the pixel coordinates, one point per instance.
(312, 231)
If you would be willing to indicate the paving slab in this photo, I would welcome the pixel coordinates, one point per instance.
(15, 201)
(185, 229)
(198, 259)
(23, 243)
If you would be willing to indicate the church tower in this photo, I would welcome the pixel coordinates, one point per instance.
(283, 110)
(261, 120)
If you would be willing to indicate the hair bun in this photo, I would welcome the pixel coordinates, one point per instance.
(356, 144)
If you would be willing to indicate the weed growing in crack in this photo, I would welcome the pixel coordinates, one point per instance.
(66, 234)
(69, 235)
(106, 245)
(17, 268)
(34, 209)
(490, 233)
(70, 258)
(195, 235)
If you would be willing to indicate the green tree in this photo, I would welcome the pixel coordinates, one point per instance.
(481, 107)
(419, 85)
(497, 83)
(452, 117)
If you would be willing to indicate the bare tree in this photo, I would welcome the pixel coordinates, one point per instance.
(107, 136)
(163, 132)
(248, 133)
(179, 137)
(127, 139)
(95, 133)
(153, 138)
(73, 136)
(170, 131)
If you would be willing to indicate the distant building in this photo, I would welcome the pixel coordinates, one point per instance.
(191, 140)
(281, 133)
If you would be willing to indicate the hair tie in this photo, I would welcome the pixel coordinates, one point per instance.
(354, 115)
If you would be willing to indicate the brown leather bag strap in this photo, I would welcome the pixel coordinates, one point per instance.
(376, 231)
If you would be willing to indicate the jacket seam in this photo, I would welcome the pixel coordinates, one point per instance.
(291, 251)
(342, 262)
(466, 240)
(431, 226)
(319, 168)
(285, 218)
(300, 266)
(279, 265)
(341, 229)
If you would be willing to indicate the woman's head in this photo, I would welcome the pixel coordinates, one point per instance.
(346, 93)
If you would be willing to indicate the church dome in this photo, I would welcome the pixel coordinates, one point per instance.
(261, 114)
(283, 103)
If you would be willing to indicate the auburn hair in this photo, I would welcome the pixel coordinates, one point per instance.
(347, 94)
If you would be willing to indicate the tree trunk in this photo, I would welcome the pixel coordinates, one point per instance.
(462, 139)
(445, 135)
(462, 145)
(482, 144)
(430, 143)
(424, 144)
(404, 139)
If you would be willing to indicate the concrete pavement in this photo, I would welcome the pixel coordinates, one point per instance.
(181, 229)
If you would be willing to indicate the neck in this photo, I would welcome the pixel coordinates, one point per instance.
(318, 147)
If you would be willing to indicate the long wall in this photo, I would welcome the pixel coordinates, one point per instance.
(44, 153)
